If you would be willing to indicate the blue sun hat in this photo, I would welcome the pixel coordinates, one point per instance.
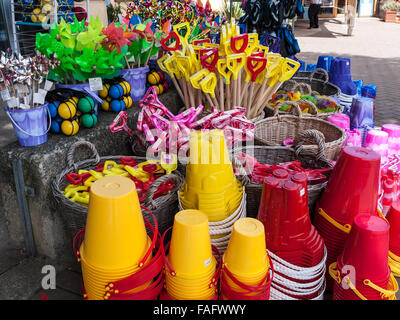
(324, 62)
(340, 75)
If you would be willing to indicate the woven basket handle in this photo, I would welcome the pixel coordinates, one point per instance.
(149, 202)
(308, 135)
(71, 152)
(311, 104)
(299, 86)
(320, 70)
(292, 103)
(290, 84)
(242, 175)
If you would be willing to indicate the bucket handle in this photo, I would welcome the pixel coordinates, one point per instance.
(29, 134)
(154, 187)
(315, 135)
(268, 278)
(71, 151)
(319, 70)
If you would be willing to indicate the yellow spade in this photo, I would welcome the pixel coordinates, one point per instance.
(235, 63)
(208, 86)
(169, 162)
(184, 65)
(195, 79)
(253, 43)
(226, 74)
(183, 26)
(160, 63)
(288, 68)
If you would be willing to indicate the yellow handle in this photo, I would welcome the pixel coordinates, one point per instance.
(253, 43)
(184, 65)
(172, 66)
(197, 77)
(394, 263)
(235, 63)
(184, 25)
(208, 84)
(345, 228)
(289, 68)
(224, 71)
(390, 294)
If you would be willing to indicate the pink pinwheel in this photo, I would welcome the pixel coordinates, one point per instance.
(115, 39)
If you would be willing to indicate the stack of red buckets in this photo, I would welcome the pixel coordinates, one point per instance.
(295, 246)
(352, 190)
(362, 270)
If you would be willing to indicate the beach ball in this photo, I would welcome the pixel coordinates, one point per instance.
(37, 16)
(103, 93)
(126, 87)
(53, 108)
(89, 120)
(70, 127)
(67, 110)
(80, 13)
(153, 78)
(106, 105)
(56, 125)
(74, 100)
(162, 77)
(86, 105)
(116, 91)
(128, 101)
(47, 8)
(117, 105)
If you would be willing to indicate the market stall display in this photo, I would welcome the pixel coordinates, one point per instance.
(279, 220)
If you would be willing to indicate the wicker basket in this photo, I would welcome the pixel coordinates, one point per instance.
(318, 80)
(275, 130)
(276, 155)
(164, 208)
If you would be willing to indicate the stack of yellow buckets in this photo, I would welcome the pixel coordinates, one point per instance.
(246, 258)
(191, 266)
(211, 185)
(115, 236)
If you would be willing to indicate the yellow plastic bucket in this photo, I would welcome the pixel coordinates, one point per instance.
(112, 272)
(190, 251)
(246, 255)
(115, 235)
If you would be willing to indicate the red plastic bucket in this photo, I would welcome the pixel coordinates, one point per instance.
(352, 188)
(367, 248)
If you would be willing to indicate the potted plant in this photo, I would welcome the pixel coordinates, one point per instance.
(391, 9)
(84, 52)
(144, 43)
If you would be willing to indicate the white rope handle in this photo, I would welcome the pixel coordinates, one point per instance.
(276, 295)
(310, 270)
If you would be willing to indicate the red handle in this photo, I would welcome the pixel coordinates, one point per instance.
(128, 161)
(169, 37)
(213, 55)
(74, 178)
(235, 40)
(256, 65)
(197, 42)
